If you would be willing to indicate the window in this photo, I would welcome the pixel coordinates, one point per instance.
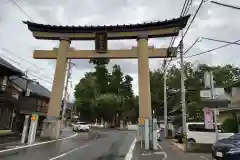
(39, 105)
(201, 128)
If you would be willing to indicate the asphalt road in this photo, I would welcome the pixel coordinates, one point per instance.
(167, 151)
(104, 145)
(173, 152)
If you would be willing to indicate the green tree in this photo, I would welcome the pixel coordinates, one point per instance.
(85, 92)
(104, 95)
(156, 87)
(101, 74)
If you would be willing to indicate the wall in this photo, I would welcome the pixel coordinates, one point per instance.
(27, 104)
(133, 127)
(235, 95)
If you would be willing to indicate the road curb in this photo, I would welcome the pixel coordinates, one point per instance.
(35, 144)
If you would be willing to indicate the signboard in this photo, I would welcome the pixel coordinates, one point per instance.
(205, 94)
(208, 118)
(101, 39)
(34, 117)
(215, 103)
(141, 121)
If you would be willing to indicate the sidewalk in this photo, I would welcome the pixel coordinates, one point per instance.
(173, 152)
(167, 151)
(12, 140)
(9, 139)
(142, 154)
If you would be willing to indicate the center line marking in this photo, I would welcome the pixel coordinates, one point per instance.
(66, 153)
(130, 151)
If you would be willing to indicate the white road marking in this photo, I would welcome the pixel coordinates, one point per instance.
(130, 151)
(66, 153)
(146, 154)
(159, 146)
(163, 153)
(204, 158)
(36, 144)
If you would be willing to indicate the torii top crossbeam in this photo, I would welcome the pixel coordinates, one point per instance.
(165, 28)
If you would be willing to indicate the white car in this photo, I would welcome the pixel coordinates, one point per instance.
(98, 125)
(81, 127)
(159, 134)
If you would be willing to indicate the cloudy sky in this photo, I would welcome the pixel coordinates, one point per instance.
(17, 43)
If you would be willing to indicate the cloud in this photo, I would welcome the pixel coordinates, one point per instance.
(212, 21)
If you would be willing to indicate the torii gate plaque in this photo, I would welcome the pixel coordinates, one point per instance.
(142, 52)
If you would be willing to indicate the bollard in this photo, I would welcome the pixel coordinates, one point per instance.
(25, 128)
(146, 133)
(155, 141)
(33, 129)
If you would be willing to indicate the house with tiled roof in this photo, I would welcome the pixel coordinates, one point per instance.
(33, 99)
(8, 100)
(20, 96)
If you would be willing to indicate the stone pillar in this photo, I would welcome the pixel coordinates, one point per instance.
(51, 127)
(145, 110)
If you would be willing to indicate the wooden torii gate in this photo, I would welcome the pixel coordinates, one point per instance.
(101, 35)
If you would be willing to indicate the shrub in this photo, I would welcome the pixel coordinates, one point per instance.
(230, 125)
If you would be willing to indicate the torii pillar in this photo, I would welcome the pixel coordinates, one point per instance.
(52, 123)
(145, 109)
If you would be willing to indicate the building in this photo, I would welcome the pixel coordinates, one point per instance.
(32, 98)
(231, 111)
(8, 100)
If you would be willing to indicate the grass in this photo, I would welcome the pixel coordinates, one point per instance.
(5, 132)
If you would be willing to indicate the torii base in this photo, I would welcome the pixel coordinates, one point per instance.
(51, 129)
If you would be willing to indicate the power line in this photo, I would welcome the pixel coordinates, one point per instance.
(21, 9)
(185, 9)
(6, 50)
(184, 34)
(40, 78)
(194, 16)
(39, 68)
(223, 46)
(225, 5)
(189, 3)
(28, 72)
(211, 39)
(10, 59)
(187, 50)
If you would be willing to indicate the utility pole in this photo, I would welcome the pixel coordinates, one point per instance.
(215, 109)
(165, 100)
(66, 91)
(183, 103)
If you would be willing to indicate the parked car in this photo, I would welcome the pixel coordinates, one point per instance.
(81, 127)
(197, 133)
(98, 126)
(227, 148)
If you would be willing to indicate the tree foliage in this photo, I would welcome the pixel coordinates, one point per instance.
(104, 95)
(109, 95)
(224, 76)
